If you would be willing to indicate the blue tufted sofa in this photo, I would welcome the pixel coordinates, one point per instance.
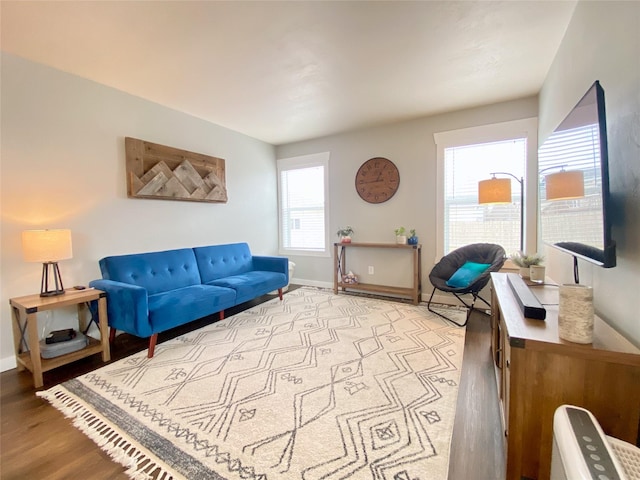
(148, 293)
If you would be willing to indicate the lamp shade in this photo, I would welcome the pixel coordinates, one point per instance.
(564, 185)
(46, 245)
(494, 190)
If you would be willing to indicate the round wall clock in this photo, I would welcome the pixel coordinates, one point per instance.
(377, 180)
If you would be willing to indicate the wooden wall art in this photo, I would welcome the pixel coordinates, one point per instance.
(160, 172)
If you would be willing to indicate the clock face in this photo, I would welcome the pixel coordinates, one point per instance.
(377, 180)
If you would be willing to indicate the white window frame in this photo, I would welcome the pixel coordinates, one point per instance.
(305, 161)
(525, 128)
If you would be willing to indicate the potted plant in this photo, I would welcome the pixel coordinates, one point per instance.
(524, 262)
(401, 237)
(345, 234)
(413, 238)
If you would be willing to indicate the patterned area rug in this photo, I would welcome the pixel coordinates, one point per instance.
(318, 386)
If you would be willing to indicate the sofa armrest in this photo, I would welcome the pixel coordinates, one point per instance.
(127, 306)
(271, 264)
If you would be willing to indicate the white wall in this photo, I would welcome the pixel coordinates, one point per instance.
(602, 43)
(63, 166)
(410, 145)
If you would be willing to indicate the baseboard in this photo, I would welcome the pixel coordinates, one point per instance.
(8, 363)
(311, 283)
(438, 297)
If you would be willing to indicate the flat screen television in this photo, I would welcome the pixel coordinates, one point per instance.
(578, 222)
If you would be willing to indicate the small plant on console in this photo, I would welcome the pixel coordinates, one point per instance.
(345, 234)
(401, 238)
(524, 260)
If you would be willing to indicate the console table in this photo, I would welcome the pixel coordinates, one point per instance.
(536, 372)
(339, 268)
(25, 329)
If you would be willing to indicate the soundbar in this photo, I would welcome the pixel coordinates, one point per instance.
(529, 304)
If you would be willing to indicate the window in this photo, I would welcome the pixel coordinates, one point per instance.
(467, 156)
(465, 220)
(302, 187)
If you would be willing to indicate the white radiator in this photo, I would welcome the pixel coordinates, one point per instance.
(581, 450)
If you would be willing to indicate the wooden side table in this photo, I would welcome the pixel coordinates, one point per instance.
(339, 268)
(25, 329)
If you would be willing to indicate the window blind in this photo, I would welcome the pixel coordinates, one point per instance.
(465, 220)
(302, 208)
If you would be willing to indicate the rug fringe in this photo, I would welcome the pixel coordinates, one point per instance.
(139, 464)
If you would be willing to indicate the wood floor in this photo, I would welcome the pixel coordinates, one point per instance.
(37, 442)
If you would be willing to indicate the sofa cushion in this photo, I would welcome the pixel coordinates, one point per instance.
(219, 261)
(182, 305)
(249, 285)
(155, 271)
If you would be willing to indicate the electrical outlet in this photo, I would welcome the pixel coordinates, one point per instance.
(370, 269)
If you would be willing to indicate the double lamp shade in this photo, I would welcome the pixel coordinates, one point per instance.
(559, 186)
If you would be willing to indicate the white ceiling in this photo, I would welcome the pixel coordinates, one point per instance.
(288, 71)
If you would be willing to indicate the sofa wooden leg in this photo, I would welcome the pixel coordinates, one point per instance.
(221, 315)
(152, 345)
(112, 334)
(280, 293)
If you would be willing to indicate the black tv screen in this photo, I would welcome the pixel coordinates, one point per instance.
(578, 223)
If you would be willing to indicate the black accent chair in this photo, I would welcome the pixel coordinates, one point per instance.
(477, 252)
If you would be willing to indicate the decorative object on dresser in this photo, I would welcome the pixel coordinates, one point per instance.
(48, 247)
(377, 180)
(537, 371)
(524, 261)
(575, 313)
(537, 273)
(167, 173)
(466, 271)
(316, 386)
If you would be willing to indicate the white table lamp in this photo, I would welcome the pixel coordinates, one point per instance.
(47, 247)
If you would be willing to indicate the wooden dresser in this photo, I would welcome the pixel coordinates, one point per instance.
(536, 372)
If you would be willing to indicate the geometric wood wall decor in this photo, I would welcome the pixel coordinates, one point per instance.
(157, 171)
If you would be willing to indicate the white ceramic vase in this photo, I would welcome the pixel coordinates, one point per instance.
(537, 273)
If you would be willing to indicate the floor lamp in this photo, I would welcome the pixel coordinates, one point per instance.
(498, 190)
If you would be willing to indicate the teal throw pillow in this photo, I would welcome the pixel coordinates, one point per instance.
(466, 274)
